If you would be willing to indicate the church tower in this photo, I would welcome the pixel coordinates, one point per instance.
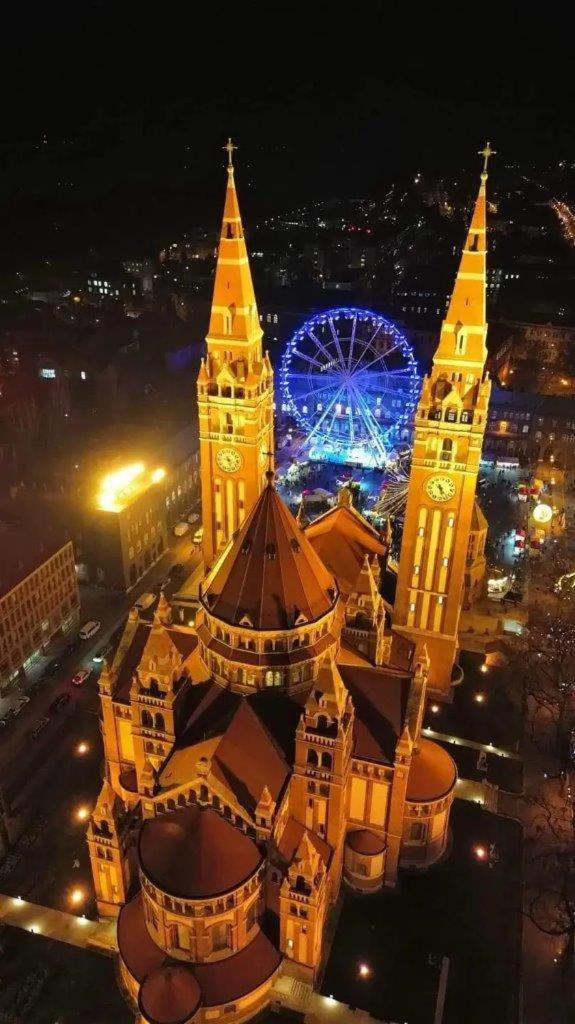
(235, 389)
(449, 426)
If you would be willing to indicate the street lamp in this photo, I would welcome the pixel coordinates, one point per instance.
(82, 813)
(77, 896)
(480, 852)
(82, 748)
(364, 970)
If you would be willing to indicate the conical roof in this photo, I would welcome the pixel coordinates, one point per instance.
(234, 316)
(270, 577)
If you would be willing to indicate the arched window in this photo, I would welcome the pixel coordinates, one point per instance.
(326, 760)
(159, 722)
(446, 449)
(312, 757)
(204, 795)
(322, 722)
(147, 721)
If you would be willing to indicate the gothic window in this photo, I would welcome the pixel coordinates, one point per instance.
(204, 795)
(312, 757)
(147, 721)
(466, 416)
(322, 722)
(417, 831)
(326, 760)
(159, 722)
(451, 415)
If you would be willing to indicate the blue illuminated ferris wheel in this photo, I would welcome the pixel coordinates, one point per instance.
(349, 379)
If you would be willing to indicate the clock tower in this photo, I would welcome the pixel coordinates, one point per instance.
(235, 389)
(449, 426)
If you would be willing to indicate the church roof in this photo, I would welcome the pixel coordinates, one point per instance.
(363, 841)
(432, 773)
(194, 853)
(169, 995)
(342, 538)
(221, 981)
(380, 702)
(270, 577)
(183, 640)
(247, 758)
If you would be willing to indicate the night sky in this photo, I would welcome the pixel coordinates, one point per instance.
(114, 113)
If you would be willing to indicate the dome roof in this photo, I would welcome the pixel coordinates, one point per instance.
(170, 995)
(196, 854)
(365, 842)
(432, 773)
(270, 577)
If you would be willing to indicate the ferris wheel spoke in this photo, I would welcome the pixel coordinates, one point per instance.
(319, 345)
(382, 355)
(325, 413)
(352, 341)
(336, 342)
(370, 423)
(317, 391)
(308, 359)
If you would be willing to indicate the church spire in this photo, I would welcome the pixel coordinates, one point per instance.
(234, 321)
(464, 329)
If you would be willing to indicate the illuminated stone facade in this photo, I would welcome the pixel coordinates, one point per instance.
(449, 426)
(259, 759)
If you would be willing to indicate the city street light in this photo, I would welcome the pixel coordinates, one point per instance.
(479, 698)
(77, 896)
(480, 852)
(82, 748)
(364, 971)
(82, 813)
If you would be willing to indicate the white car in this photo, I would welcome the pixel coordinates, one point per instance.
(145, 601)
(89, 629)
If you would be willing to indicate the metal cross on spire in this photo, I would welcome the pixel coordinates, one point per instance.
(486, 152)
(229, 148)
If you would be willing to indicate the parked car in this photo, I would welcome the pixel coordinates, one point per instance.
(59, 702)
(80, 678)
(102, 653)
(38, 728)
(19, 706)
(89, 629)
(52, 668)
(145, 601)
(181, 529)
(199, 535)
(193, 518)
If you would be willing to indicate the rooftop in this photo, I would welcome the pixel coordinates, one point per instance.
(26, 542)
(194, 853)
(269, 577)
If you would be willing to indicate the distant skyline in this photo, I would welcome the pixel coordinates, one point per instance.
(116, 117)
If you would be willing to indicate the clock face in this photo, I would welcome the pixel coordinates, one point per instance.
(440, 488)
(229, 460)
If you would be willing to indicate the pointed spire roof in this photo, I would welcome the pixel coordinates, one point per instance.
(234, 320)
(270, 572)
(464, 329)
(329, 689)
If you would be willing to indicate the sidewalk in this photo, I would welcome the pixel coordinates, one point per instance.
(54, 924)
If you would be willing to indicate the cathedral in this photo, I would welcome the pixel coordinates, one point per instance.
(260, 760)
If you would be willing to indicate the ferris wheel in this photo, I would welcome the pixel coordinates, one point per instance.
(349, 379)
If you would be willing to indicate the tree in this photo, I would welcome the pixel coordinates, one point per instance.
(550, 868)
(544, 672)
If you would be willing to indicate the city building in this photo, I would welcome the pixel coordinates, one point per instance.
(527, 427)
(38, 591)
(129, 531)
(259, 758)
(116, 285)
(449, 425)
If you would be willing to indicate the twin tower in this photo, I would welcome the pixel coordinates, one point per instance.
(441, 557)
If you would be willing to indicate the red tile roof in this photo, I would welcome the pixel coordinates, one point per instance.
(170, 995)
(195, 854)
(229, 979)
(247, 758)
(291, 838)
(342, 538)
(185, 643)
(365, 842)
(432, 773)
(271, 574)
(137, 949)
(380, 702)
